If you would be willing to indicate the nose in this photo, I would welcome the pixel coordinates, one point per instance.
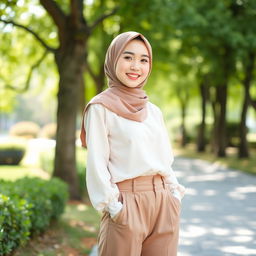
(135, 65)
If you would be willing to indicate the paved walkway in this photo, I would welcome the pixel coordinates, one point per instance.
(218, 211)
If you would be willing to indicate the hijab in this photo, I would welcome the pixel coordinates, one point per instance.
(125, 101)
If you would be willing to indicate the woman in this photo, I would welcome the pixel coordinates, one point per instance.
(129, 175)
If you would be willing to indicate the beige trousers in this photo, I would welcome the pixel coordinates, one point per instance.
(147, 225)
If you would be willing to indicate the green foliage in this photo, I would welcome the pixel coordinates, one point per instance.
(11, 153)
(26, 207)
(192, 132)
(14, 223)
(233, 134)
(81, 169)
(193, 41)
(42, 195)
(25, 129)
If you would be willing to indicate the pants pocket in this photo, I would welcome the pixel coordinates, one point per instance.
(121, 217)
(175, 202)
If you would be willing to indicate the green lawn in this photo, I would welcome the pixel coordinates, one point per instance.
(9, 172)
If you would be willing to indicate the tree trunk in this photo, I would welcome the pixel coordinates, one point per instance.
(82, 96)
(71, 65)
(226, 64)
(214, 128)
(100, 81)
(201, 141)
(253, 102)
(221, 97)
(243, 146)
(183, 126)
(183, 99)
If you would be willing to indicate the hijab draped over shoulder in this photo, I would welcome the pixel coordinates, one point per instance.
(127, 102)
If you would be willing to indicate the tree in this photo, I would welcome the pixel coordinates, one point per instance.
(246, 57)
(73, 30)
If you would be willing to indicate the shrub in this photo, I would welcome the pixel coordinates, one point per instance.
(27, 207)
(45, 196)
(233, 136)
(58, 194)
(252, 144)
(25, 129)
(49, 131)
(14, 222)
(192, 132)
(11, 153)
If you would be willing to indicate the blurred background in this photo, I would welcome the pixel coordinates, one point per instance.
(51, 64)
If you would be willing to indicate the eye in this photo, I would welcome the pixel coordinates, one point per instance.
(127, 57)
(144, 60)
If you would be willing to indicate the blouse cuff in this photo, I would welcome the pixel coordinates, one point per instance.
(176, 194)
(178, 190)
(114, 208)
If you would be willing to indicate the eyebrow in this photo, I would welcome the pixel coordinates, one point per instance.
(143, 55)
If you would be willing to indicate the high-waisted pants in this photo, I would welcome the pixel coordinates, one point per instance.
(147, 225)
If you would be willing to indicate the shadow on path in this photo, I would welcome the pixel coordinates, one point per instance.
(219, 210)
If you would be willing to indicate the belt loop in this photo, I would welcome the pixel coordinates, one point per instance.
(154, 185)
(133, 181)
(163, 181)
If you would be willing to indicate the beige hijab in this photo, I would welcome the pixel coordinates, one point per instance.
(127, 102)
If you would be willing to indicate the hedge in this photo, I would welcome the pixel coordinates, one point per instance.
(27, 207)
(11, 153)
(25, 129)
(14, 223)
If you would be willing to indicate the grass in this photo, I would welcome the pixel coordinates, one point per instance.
(14, 172)
(247, 165)
(74, 234)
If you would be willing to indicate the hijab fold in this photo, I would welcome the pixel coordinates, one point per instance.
(125, 101)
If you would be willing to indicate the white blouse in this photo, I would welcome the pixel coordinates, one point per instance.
(120, 149)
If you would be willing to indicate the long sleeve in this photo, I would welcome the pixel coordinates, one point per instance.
(102, 192)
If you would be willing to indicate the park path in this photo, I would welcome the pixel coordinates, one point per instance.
(218, 212)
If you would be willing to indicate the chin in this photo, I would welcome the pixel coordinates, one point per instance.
(132, 85)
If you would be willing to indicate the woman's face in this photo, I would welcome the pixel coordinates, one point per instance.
(133, 65)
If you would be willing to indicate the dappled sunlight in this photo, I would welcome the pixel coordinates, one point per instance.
(191, 191)
(198, 207)
(220, 231)
(241, 239)
(210, 192)
(218, 210)
(240, 192)
(238, 250)
(207, 177)
(192, 231)
(82, 207)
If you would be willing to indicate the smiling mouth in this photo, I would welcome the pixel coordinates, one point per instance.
(132, 76)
